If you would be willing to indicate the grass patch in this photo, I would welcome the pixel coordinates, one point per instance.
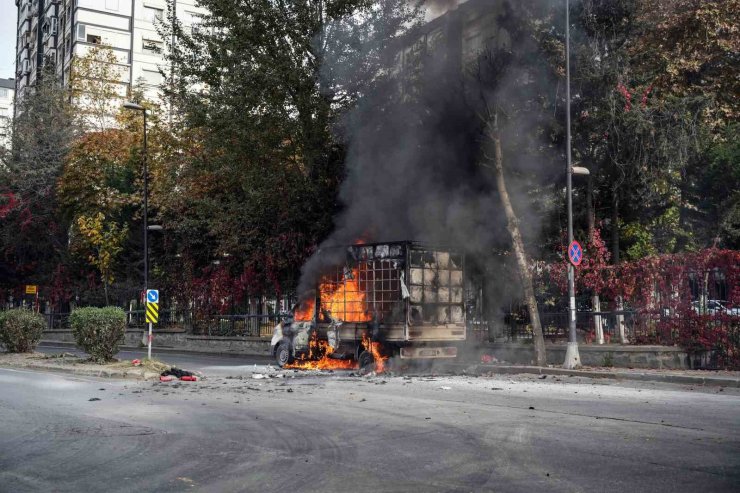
(151, 365)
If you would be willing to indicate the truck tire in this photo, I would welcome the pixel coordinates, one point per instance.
(282, 354)
(366, 362)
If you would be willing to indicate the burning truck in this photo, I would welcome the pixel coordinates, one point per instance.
(377, 301)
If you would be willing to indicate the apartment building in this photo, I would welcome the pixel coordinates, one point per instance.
(59, 30)
(7, 95)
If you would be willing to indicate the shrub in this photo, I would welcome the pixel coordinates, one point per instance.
(21, 330)
(99, 331)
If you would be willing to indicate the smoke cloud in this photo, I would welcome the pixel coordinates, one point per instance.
(415, 144)
(436, 8)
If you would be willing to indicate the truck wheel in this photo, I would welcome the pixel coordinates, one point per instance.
(366, 361)
(282, 354)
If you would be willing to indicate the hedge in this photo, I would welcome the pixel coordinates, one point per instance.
(99, 331)
(21, 330)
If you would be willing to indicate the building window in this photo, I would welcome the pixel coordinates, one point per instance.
(151, 46)
(151, 13)
(3, 93)
(81, 31)
(92, 38)
(111, 4)
(151, 77)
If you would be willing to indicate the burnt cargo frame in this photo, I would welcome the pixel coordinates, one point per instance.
(429, 272)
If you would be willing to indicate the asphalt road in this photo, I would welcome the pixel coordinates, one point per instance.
(339, 432)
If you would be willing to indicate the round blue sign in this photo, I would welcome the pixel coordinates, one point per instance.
(575, 253)
(152, 295)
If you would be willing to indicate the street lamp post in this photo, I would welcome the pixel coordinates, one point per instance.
(572, 356)
(137, 107)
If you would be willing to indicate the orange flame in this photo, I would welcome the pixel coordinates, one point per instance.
(318, 357)
(304, 311)
(344, 301)
(374, 349)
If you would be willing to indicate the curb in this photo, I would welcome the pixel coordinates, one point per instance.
(616, 375)
(102, 373)
(478, 368)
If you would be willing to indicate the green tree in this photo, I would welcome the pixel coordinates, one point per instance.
(651, 83)
(260, 90)
(719, 184)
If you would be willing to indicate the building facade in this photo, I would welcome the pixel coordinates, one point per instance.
(7, 97)
(57, 31)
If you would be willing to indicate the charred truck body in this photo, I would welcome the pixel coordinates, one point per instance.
(401, 298)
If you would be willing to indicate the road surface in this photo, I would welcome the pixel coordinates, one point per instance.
(244, 431)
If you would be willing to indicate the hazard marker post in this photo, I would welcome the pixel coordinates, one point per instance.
(152, 315)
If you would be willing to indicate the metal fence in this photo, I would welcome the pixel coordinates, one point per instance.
(235, 325)
(223, 325)
(639, 327)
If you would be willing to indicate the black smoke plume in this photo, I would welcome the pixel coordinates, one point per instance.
(415, 142)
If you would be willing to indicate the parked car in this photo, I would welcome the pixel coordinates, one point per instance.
(715, 307)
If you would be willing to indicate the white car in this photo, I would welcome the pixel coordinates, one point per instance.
(715, 307)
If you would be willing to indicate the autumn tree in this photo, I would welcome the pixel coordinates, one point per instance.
(33, 235)
(95, 87)
(101, 241)
(103, 174)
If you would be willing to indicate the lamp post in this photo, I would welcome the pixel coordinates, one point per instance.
(572, 356)
(137, 107)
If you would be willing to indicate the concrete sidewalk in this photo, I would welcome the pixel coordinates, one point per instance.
(684, 377)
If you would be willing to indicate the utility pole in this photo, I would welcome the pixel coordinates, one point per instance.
(572, 356)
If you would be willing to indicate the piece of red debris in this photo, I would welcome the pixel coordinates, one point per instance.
(168, 378)
(187, 378)
(136, 362)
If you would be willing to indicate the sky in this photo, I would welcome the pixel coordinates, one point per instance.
(8, 14)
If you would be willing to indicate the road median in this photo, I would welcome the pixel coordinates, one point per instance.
(69, 363)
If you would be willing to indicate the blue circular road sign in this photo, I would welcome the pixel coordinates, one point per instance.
(575, 253)
(152, 295)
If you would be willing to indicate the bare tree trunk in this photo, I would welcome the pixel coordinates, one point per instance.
(590, 212)
(618, 302)
(615, 226)
(512, 225)
(595, 300)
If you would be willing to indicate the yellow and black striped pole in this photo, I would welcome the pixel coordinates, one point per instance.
(152, 313)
